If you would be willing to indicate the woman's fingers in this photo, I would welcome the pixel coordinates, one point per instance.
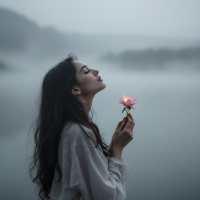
(132, 119)
(129, 127)
(133, 122)
(128, 124)
(118, 125)
(122, 124)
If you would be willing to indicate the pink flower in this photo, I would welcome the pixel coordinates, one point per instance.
(127, 101)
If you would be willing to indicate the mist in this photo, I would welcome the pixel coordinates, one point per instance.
(162, 73)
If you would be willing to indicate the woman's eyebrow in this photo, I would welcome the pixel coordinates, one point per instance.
(83, 67)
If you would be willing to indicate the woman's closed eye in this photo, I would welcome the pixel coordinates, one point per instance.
(87, 72)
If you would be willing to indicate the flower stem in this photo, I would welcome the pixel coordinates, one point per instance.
(126, 111)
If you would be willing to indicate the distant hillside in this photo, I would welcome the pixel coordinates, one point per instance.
(19, 34)
(154, 58)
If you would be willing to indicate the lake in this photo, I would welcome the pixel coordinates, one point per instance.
(163, 157)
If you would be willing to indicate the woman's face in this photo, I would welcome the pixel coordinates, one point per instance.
(89, 79)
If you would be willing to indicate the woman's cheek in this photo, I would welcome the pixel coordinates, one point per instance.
(89, 85)
(88, 80)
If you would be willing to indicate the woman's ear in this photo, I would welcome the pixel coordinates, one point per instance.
(76, 91)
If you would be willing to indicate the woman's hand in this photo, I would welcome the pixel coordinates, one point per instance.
(111, 144)
(124, 134)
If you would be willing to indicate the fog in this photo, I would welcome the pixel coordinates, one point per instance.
(158, 18)
(163, 157)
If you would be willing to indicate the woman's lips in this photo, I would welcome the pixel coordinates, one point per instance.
(100, 79)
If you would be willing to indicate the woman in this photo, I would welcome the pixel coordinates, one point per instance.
(70, 159)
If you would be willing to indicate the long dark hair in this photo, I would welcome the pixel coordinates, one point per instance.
(57, 107)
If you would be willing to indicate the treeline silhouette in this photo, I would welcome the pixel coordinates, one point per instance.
(156, 58)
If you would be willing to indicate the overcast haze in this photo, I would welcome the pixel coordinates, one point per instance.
(160, 18)
(152, 52)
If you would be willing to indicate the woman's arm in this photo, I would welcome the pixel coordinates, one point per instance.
(95, 181)
(88, 169)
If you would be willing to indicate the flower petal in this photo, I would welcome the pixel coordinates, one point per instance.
(129, 97)
(128, 102)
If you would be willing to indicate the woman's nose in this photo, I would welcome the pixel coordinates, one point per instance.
(96, 72)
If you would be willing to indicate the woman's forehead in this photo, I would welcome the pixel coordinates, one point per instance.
(79, 64)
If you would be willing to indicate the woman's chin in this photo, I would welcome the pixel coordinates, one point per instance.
(104, 86)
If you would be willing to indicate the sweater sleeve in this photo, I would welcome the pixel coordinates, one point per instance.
(94, 179)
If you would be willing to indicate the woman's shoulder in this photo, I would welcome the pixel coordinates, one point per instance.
(74, 133)
(73, 128)
(74, 136)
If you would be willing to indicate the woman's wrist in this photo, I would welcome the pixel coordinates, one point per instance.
(117, 153)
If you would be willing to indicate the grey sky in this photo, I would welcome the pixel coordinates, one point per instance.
(168, 18)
